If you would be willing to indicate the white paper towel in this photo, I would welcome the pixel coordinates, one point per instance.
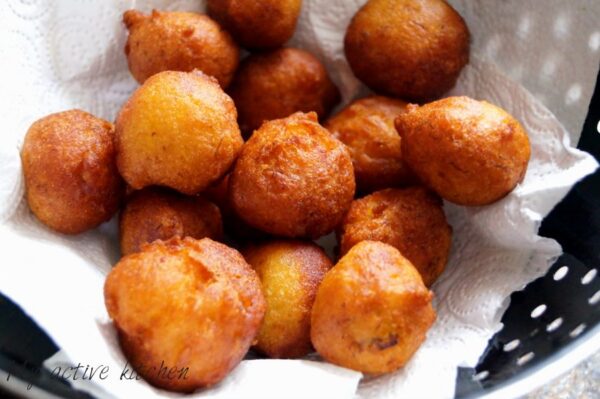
(63, 54)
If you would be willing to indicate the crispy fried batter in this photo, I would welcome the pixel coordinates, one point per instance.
(411, 219)
(412, 49)
(276, 84)
(178, 41)
(177, 130)
(469, 152)
(257, 24)
(290, 272)
(372, 310)
(188, 304)
(293, 178)
(70, 173)
(154, 213)
(366, 127)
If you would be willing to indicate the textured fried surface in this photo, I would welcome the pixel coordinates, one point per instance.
(290, 272)
(366, 127)
(153, 213)
(177, 130)
(257, 23)
(372, 310)
(235, 227)
(70, 174)
(278, 83)
(410, 219)
(293, 178)
(469, 152)
(178, 41)
(187, 303)
(412, 49)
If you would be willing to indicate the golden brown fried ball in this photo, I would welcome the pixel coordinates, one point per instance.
(276, 84)
(290, 272)
(366, 126)
(412, 49)
(235, 227)
(372, 310)
(192, 305)
(153, 213)
(411, 219)
(178, 41)
(293, 178)
(257, 23)
(70, 173)
(177, 130)
(469, 152)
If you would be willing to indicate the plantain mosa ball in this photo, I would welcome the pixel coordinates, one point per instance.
(372, 310)
(177, 130)
(257, 24)
(290, 272)
(411, 49)
(469, 152)
(293, 178)
(70, 173)
(186, 311)
(178, 41)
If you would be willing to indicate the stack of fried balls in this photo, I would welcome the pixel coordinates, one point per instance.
(224, 172)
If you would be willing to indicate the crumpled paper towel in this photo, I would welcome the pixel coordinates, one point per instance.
(64, 54)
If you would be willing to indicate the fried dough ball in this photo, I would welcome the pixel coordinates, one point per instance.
(469, 152)
(372, 310)
(153, 213)
(276, 84)
(178, 41)
(257, 23)
(71, 178)
(290, 272)
(411, 219)
(177, 130)
(293, 178)
(366, 127)
(412, 49)
(192, 306)
(235, 227)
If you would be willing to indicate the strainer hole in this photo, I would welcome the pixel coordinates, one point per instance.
(561, 273)
(538, 311)
(554, 325)
(523, 359)
(589, 276)
(594, 299)
(577, 330)
(512, 345)
(482, 375)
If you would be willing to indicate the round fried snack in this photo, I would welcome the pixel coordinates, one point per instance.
(186, 311)
(366, 127)
(71, 178)
(412, 49)
(372, 310)
(153, 213)
(257, 24)
(276, 84)
(411, 219)
(177, 130)
(235, 227)
(290, 272)
(469, 152)
(178, 41)
(293, 178)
